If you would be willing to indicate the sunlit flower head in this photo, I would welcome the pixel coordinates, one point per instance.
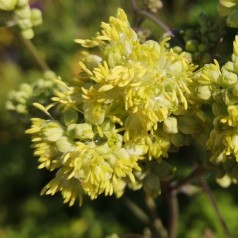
(140, 84)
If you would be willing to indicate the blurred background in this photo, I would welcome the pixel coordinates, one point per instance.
(23, 212)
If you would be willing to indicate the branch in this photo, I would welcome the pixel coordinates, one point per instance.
(196, 173)
(35, 54)
(171, 196)
(138, 212)
(157, 227)
(150, 16)
(157, 21)
(212, 199)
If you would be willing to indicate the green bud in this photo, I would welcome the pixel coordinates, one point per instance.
(229, 98)
(232, 19)
(70, 117)
(180, 139)
(204, 92)
(202, 47)
(36, 17)
(65, 144)
(24, 23)
(26, 88)
(228, 78)
(170, 125)
(177, 49)
(27, 33)
(23, 12)
(80, 131)
(22, 3)
(191, 45)
(187, 125)
(92, 61)
(151, 185)
(8, 5)
(165, 170)
(21, 108)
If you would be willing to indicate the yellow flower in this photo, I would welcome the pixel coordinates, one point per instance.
(89, 160)
(123, 97)
(146, 81)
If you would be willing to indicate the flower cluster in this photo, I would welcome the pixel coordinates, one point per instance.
(119, 119)
(24, 16)
(202, 41)
(218, 87)
(40, 91)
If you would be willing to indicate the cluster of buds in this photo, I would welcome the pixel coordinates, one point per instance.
(40, 91)
(201, 42)
(24, 16)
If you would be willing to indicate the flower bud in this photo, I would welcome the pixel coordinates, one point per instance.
(24, 23)
(170, 125)
(224, 182)
(187, 125)
(70, 117)
(228, 78)
(36, 17)
(180, 139)
(152, 185)
(22, 3)
(65, 144)
(92, 61)
(52, 131)
(27, 33)
(23, 12)
(81, 131)
(7, 5)
(191, 45)
(204, 92)
(229, 98)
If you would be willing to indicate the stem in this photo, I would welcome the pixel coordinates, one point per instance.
(173, 210)
(149, 15)
(198, 172)
(137, 210)
(212, 199)
(157, 21)
(35, 53)
(158, 230)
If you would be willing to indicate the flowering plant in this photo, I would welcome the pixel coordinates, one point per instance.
(133, 104)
